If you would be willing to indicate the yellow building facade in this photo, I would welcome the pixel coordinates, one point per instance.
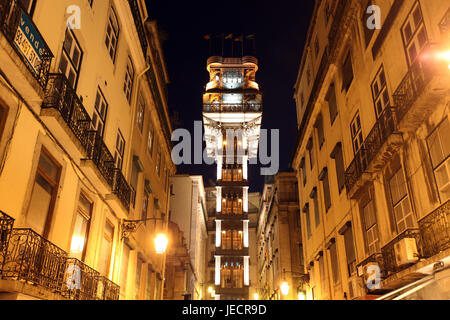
(372, 153)
(281, 274)
(85, 149)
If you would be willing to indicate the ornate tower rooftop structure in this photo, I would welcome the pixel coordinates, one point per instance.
(232, 114)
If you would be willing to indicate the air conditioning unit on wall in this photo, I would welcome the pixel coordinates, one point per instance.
(406, 252)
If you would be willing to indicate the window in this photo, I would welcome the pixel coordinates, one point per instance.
(400, 201)
(120, 151)
(304, 173)
(356, 130)
(137, 282)
(323, 279)
(414, 34)
(347, 72)
(368, 33)
(320, 131)
(310, 148)
(150, 140)
(70, 62)
(28, 6)
(124, 269)
(340, 168)
(129, 80)
(326, 188)
(3, 117)
(140, 114)
(308, 220)
(380, 93)
(145, 203)
(81, 229)
(314, 196)
(43, 195)
(148, 293)
(300, 254)
(100, 112)
(439, 147)
(316, 47)
(370, 227)
(112, 34)
(332, 103)
(334, 262)
(158, 161)
(106, 249)
(349, 249)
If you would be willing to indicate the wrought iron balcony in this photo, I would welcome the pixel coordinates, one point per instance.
(107, 290)
(378, 136)
(139, 25)
(233, 107)
(435, 231)
(35, 260)
(6, 226)
(24, 37)
(59, 95)
(80, 281)
(416, 85)
(122, 189)
(99, 154)
(389, 255)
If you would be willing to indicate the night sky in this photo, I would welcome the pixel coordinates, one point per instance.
(280, 28)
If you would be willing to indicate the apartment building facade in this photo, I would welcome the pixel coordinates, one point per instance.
(372, 151)
(188, 211)
(279, 241)
(85, 149)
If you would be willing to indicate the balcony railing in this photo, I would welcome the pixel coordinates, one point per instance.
(383, 128)
(413, 85)
(59, 95)
(99, 154)
(80, 281)
(122, 189)
(35, 260)
(435, 231)
(389, 254)
(32, 259)
(139, 25)
(107, 290)
(6, 226)
(233, 107)
(20, 31)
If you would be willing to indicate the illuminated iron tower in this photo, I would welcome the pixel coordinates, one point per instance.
(232, 114)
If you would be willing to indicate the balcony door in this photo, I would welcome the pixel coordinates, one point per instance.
(43, 196)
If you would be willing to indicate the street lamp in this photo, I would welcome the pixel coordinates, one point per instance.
(284, 288)
(256, 296)
(301, 295)
(161, 243)
(130, 226)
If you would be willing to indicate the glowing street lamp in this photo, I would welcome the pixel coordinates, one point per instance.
(161, 243)
(256, 296)
(285, 288)
(301, 295)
